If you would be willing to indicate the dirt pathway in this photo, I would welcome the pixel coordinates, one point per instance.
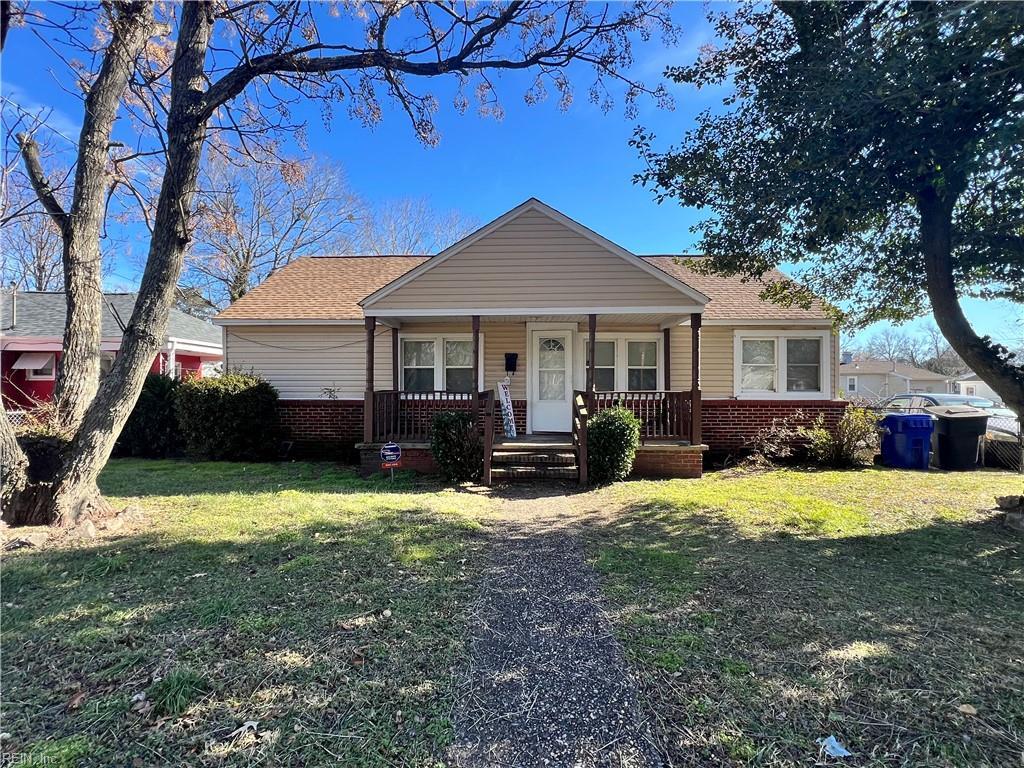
(547, 683)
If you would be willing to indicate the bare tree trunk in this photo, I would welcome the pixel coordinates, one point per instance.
(78, 370)
(13, 463)
(74, 486)
(985, 360)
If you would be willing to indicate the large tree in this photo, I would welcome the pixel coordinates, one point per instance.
(410, 226)
(233, 69)
(879, 145)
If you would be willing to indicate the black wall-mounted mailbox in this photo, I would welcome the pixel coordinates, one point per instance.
(511, 360)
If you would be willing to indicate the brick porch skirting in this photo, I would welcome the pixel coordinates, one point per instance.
(729, 424)
(669, 460)
(415, 456)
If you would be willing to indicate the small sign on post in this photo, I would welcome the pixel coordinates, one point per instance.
(391, 457)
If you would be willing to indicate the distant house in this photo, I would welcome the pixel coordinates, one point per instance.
(877, 379)
(971, 384)
(31, 342)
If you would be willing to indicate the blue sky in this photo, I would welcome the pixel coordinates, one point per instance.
(578, 161)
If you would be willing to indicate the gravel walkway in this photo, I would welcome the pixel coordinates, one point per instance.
(547, 683)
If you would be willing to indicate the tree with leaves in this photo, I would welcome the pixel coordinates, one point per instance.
(879, 146)
(198, 70)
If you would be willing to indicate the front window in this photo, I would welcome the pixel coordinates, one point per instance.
(604, 366)
(803, 365)
(417, 366)
(458, 366)
(851, 384)
(439, 363)
(784, 365)
(44, 372)
(757, 369)
(641, 366)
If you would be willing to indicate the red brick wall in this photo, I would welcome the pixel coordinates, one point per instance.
(668, 461)
(416, 459)
(728, 424)
(323, 420)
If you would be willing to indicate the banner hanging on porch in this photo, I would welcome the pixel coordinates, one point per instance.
(508, 416)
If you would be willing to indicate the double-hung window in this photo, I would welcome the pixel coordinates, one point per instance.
(442, 363)
(625, 363)
(788, 364)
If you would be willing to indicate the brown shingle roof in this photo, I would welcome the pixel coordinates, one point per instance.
(330, 288)
(731, 298)
(319, 288)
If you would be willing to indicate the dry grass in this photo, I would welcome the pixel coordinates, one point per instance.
(262, 614)
(763, 612)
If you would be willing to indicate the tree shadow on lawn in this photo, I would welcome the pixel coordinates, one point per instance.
(180, 477)
(748, 649)
(336, 642)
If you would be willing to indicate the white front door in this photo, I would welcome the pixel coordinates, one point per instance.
(551, 381)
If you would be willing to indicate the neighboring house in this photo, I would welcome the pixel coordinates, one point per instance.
(31, 339)
(971, 384)
(364, 349)
(877, 379)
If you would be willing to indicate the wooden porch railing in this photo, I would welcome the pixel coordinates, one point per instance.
(662, 415)
(580, 414)
(409, 415)
(488, 412)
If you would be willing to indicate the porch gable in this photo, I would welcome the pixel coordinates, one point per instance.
(533, 260)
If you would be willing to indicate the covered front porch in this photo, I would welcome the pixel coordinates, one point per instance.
(561, 371)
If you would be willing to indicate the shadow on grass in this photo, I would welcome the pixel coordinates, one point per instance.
(749, 649)
(181, 477)
(335, 641)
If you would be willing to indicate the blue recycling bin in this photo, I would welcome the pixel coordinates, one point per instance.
(906, 440)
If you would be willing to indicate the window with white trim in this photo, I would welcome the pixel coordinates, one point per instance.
(641, 366)
(604, 366)
(758, 367)
(625, 362)
(46, 372)
(439, 363)
(784, 364)
(851, 384)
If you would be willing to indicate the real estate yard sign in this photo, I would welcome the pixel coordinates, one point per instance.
(508, 416)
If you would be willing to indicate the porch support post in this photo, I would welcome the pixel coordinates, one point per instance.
(396, 372)
(476, 370)
(695, 405)
(371, 328)
(667, 352)
(591, 356)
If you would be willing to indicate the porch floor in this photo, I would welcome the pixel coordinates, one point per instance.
(542, 440)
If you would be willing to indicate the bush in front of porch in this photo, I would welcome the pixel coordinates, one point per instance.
(455, 443)
(613, 437)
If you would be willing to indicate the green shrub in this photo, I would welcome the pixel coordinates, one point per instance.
(850, 443)
(455, 443)
(152, 428)
(612, 439)
(232, 417)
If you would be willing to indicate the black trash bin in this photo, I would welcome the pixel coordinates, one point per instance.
(958, 433)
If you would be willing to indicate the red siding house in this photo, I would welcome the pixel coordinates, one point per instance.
(32, 334)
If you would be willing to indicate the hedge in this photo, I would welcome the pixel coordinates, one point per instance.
(455, 443)
(233, 417)
(613, 437)
(152, 428)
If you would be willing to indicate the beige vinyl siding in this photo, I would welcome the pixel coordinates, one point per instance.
(302, 360)
(533, 261)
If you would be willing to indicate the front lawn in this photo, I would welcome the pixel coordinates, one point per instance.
(763, 612)
(275, 614)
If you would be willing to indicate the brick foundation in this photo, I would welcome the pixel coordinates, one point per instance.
(666, 460)
(416, 457)
(729, 424)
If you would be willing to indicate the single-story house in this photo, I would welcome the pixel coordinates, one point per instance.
(32, 337)
(363, 349)
(971, 384)
(878, 379)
